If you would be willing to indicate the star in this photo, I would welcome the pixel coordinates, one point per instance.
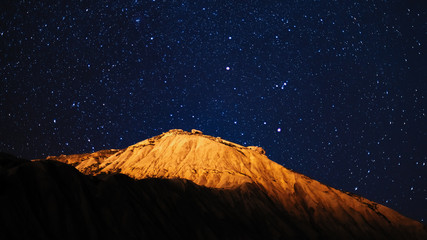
(352, 94)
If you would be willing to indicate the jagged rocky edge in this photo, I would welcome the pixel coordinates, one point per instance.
(151, 141)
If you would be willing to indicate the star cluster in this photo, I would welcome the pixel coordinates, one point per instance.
(334, 90)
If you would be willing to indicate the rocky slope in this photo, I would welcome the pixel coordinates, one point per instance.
(318, 210)
(184, 185)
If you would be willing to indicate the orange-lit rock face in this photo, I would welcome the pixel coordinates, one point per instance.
(216, 163)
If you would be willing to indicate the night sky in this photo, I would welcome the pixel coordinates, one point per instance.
(334, 90)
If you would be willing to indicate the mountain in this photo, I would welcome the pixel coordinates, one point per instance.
(188, 185)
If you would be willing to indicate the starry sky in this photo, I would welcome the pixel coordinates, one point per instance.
(331, 89)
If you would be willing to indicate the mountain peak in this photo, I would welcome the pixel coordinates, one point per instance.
(217, 163)
(203, 159)
(197, 133)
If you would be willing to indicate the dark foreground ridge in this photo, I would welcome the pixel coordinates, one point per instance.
(52, 200)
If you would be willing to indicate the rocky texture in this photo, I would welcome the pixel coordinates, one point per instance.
(257, 149)
(301, 207)
(195, 131)
(88, 163)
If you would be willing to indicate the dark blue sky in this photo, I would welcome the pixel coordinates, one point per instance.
(331, 89)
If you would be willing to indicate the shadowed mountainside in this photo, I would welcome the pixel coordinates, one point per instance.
(52, 200)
